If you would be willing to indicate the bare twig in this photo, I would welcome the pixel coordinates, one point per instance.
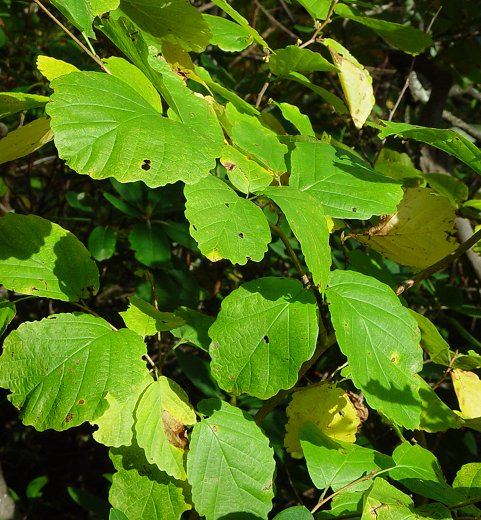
(320, 26)
(97, 60)
(281, 26)
(456, 121)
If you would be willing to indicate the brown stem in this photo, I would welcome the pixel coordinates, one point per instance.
(439, 265)
(97, 60)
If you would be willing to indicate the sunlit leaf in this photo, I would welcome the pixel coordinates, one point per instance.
(295, 59)
(41, 258)
(264, 332)
(59, 369)
(224, 224)
(230, 464)
(102, 242)
(381, 341)
(467, 386)
(25, 140)
(420, 233)
(328, 408)
(13, 102)
(228, 36)
(53, 68)
(355, 80)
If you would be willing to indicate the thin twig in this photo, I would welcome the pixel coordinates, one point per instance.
(440, 264)
(261, 94)
(456, 121)
(97, 60)
(276, 22)
(320, 26)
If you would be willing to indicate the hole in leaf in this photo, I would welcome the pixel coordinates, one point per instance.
(69, 417)
(342, 413)
(354, 210)
(266, 339)
(133, 36)
(146, 164)
(229, 166)
(241, 235)
(194, 227)
(227, 205)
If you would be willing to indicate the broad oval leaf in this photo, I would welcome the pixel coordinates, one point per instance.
(104, 128)
(230, 465)
(318, 9)
(41, 258)
(162, 414)
(335, 463)
(346, 186)
(224, 224)
(308, 223)
(381, 341)
(294, 513)
(101, 242)
(420, 233)
(60, 369)
(227, 35)
(150, 244)
(52, 68)
(467, 386)
(141, 491)
(327, 407)
(13, 102)
(264, 332)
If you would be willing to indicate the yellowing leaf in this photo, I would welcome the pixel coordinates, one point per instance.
(419, 234)
(356, 82)
(25, 140)
(52, 68)
(326, 406)
(467, 386)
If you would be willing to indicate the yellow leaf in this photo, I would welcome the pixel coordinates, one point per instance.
(25, 140)
(325, 405)
(356, 82)
(52, 68)
(419, 234)
(468, 391)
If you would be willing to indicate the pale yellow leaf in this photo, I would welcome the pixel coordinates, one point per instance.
(325, 405)
(467, 386)
(356, 82)
(25, 140)
(52, 68)
(419, 234)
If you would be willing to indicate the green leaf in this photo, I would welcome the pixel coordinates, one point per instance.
(141, 490)
(41, 258)
(404, 37)
(25, 140)
(52, 68)
(308, 223)
(419, 471)
(78, 12)
(7, 314)
(346, 186)
(449, 141)
(228, 36)
(116, 514)
(381, 341)
(318, 9)
(336, 102)
(438, 349)
(134, 77)
(419, 233)
(335, 463)
(162, 414)
(104, 128)
(13, 102)
(150, 244)
(144, 319)
(468, 480)
(230, 465)
(294, 513)
(385, 502)
(265, 330)
(295, 59)
(177, 22)
(298, 119)
(433, 511)
(250, 135)
(227, 8)
(195, 328)
(245, 174)
(224, 224)
(116, 424)
(101, 243)
(59, 369)
(398, 166)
